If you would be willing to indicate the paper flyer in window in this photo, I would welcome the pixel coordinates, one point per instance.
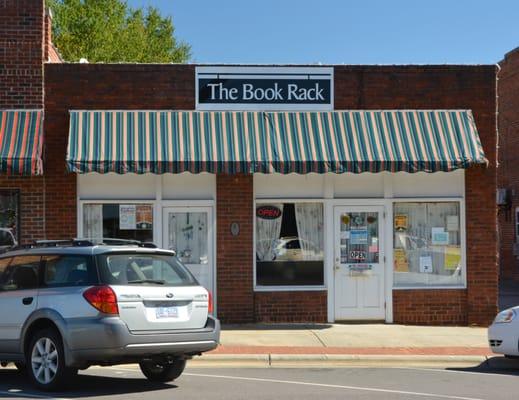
(452, 257)
(359, 236)
(426, 266)
(400, 222)
(439, 236)
(144, 216)
(400, 260)
(127, 216)
(452, 223)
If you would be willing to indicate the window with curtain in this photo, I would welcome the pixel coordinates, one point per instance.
(289, 244)
(9, 217)
(118, 221)
(427, 244)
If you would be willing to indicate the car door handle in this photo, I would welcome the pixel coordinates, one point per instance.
(27, 300)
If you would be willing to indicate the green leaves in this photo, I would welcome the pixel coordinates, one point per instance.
(111, 31)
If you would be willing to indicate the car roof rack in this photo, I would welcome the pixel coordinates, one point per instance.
(80, 242)
(121, 242)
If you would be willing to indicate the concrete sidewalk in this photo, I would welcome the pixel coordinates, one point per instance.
(365, 344)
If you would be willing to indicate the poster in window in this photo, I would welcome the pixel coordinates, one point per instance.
(439, 237)
(359, 236)
(144, 217)
(127, 216)
(452, 257)
(452, 223)
(400, 260)
(426, 266)
(400, 222)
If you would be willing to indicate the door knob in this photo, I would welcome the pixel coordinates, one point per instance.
(337, 267)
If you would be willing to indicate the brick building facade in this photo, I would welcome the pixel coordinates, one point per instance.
(57, 204)
(508, 176)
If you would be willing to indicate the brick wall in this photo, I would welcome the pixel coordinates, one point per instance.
(430, 307)
(291, 306)
(508, 173)
(21, 53)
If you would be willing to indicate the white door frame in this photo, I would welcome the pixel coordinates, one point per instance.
(211, 242)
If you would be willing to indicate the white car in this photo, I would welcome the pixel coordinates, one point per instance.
(503, 334)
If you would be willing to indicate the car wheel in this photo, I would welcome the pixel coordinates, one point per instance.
(45, 361)
(162, 372)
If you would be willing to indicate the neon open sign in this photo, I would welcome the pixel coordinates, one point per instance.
(268, 212)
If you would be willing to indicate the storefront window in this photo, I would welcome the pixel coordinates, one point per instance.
(427, 244)
(119, 221)
(9, 217)
(289, 244)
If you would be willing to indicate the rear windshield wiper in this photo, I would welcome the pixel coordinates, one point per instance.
(157, 281)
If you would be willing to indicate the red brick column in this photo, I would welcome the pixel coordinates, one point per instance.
(21, 53)
(508, 173)
(234, 254)
(21, 87)
(482, 247)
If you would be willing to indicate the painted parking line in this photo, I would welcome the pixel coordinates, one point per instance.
(452, 371)
(16, 393)
(358, 388)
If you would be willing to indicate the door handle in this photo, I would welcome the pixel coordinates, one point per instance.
(27, 300)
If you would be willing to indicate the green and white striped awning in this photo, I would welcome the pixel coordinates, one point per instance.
(21, 142)
(247, 142)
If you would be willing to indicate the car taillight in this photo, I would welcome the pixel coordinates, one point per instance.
(102, 298)
(210, 303)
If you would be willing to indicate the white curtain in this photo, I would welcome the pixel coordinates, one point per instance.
(93, 221)
(267, 233)
(309, 220)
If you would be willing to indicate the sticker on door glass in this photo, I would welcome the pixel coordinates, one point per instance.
(359, 236)
(357, 255)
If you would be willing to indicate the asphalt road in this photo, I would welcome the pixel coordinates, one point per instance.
(126, 382)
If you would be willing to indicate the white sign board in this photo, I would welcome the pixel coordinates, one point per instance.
(264, 88)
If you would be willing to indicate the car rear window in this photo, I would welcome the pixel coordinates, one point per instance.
(69, 270)
(143, 269)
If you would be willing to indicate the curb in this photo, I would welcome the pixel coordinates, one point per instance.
(328, 360)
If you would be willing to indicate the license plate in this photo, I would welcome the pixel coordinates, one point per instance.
(166, 312)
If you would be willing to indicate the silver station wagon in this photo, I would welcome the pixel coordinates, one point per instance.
(68, 305)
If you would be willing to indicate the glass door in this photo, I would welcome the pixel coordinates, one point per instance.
(188, 231)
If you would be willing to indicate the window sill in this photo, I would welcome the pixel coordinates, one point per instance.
(430, 288)
(290, 288)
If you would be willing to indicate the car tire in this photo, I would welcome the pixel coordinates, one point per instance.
(45, 361)
(162, 372)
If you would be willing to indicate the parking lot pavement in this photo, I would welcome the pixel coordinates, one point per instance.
(126, 382)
